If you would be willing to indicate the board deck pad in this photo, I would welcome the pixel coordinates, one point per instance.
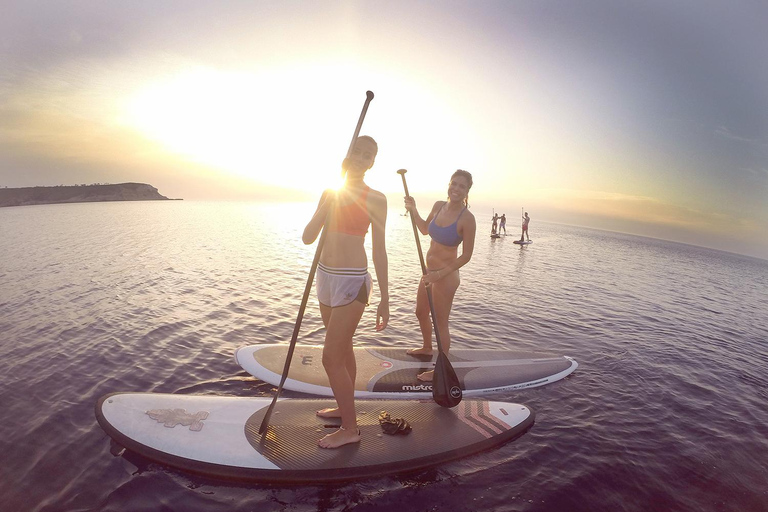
(391, 372)
(218, 435)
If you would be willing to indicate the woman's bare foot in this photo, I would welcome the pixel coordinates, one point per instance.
(330, 412)
(419, 351)
(340, 438)
(426, 376)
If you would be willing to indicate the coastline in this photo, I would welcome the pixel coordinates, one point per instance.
(28, 196)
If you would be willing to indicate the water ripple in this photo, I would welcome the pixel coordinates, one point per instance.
(666, 411)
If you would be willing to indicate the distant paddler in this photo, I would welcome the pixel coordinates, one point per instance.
(526, 220)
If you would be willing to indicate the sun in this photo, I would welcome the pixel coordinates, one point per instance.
(242, 124)
(289, 127)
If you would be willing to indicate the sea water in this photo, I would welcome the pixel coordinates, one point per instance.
(667, 410)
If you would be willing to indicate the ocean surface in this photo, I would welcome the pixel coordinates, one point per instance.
(668, 410)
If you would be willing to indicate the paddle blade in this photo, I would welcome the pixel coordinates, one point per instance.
(446, 388)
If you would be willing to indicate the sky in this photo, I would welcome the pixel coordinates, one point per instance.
(648, 118)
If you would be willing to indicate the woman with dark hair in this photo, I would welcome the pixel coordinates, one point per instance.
(449, 224)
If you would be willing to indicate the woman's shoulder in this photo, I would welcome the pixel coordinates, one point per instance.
(327, 193)
(376, 198)
(435, 209)
(468, 216)
(438, 205)
(375, 194)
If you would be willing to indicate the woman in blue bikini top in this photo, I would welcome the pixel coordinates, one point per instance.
(448, 235)
(449, 224)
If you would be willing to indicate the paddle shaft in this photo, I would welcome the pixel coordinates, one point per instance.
(310, 279)
(423, 268)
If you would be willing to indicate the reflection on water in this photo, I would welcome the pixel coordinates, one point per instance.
(666, 411)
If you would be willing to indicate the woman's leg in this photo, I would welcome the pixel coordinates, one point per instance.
(425, 322)
(443, 293)
(339, 364)
(351, 364)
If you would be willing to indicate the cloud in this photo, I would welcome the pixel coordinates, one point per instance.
(725, 132)
(761, 173)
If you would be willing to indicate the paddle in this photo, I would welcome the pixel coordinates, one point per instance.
(310, 278)
(446, 388)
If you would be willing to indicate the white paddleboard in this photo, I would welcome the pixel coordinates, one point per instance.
(391, 372)
(520, 242)
(218, 435)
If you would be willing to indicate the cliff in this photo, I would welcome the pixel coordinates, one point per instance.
(79, 194)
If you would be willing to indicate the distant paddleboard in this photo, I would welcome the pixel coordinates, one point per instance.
(521, 242)
(391, 372)
(218, 435)
(495, 235)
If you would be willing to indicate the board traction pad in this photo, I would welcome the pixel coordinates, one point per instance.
(285, 444)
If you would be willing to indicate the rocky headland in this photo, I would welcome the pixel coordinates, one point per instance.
(79, 194)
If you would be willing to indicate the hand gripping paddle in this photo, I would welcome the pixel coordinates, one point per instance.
(446, 388)
(308, 287)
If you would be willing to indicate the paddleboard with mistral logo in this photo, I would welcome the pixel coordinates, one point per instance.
(391, 372)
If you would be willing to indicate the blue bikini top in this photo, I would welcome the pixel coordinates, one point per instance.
(448, 235)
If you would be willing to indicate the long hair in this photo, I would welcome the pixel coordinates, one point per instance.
(466, 175)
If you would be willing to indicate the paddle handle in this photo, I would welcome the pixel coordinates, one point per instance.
(368, 98)
(310, 280)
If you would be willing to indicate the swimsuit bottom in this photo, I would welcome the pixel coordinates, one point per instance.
(342, 286)
(443, 275)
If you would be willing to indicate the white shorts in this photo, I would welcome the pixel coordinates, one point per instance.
(342, 286)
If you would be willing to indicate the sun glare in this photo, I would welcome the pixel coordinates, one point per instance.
(282, 128)
(237, 123)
